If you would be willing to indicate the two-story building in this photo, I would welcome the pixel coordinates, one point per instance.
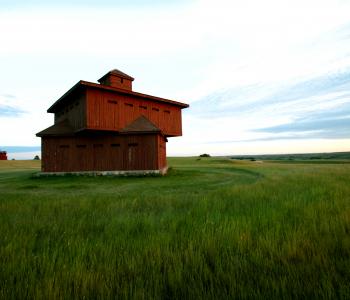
(107, 127)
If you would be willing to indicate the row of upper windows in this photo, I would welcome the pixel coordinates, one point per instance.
(143, 107)
(67, 109)
(115, 145)
(140, 106)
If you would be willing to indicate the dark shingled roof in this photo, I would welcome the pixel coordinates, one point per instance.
(62, 128)
(140, 125)
(118, 73)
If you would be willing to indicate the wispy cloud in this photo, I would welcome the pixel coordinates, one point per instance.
(10, 111)
(10, 106)
(311, 95)
(308, 109)
(328, 128)
(8, 96)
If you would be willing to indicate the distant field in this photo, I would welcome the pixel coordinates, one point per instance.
(212, 228)
(19, 165)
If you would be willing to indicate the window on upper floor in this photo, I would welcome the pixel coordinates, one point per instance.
(113, 101)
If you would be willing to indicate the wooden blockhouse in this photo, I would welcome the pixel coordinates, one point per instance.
(3, 155)
(107, 127)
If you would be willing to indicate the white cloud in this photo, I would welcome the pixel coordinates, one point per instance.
(95, 32)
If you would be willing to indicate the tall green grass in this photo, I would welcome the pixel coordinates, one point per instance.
(210, 229)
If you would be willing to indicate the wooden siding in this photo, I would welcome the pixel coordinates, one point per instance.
(74, 111)
(118, 82)
(101, 153)
(162, 152)
(110, 111)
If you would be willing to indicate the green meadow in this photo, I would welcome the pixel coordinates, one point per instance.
(212, 228)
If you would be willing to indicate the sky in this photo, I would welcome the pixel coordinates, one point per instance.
(261, 77)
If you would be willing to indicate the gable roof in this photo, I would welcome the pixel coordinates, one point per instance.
(118, 73)
(85, 84)
(140, 125)
(62, 128)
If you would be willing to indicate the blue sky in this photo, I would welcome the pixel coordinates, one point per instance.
(261, 76)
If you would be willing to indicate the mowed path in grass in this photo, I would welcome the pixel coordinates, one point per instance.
(211, 228)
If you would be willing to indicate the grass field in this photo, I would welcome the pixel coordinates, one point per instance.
(210, 229)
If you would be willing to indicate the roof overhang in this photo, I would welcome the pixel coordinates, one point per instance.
(85, 84)
(59, 129)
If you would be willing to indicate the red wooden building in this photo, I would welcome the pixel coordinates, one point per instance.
(107, 127)
(3, 155)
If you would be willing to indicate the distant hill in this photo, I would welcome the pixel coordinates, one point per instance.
(306, 156)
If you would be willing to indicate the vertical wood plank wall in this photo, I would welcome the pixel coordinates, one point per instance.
(118, 82)
(102, 153)
(161, 152)
(110, 111)
(75, 112)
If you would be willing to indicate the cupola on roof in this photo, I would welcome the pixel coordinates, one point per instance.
(118, 73)
(118, 79)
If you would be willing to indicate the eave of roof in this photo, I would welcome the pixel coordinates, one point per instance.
(83, 83)
(65, 95)
(59, 129)
(140, 125)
